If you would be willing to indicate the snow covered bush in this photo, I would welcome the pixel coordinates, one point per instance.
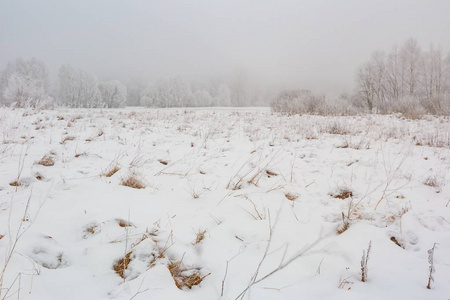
(409, 107)
(305, 102)
(293, 101)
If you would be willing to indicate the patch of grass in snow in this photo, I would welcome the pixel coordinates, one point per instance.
(113, 169)
(46, 161)
(122, 264)
(343, 193)
(185, 277)
(133, 182)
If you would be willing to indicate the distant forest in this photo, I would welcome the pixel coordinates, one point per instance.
(409, 80)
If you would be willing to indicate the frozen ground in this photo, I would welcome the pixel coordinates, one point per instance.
(225, 191)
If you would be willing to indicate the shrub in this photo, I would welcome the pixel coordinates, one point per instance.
(305, 102)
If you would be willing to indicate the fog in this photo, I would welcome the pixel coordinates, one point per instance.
(313, 44)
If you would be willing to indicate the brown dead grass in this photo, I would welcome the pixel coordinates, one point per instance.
(343, 228)
(99, 134)
(67, 138)
(80, 154)
(122, 264)
(164, 162)
(432, 181)
(395, 241)
(291, 196)
(271, 173)
(92, 229)
(123, 223)
(133, 182)
(343, 194)
(112, 170)
(184, 277)
(46, 161)
(200, 236)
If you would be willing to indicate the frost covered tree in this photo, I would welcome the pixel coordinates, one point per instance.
(25, 83)
(113, 93)
(411, 56)
(202, 98)
(395, 74)
(223, 95)
(173, 92)
(78, 88)
(134, 91)
(177, 92)
(407, 80)
(241, 88)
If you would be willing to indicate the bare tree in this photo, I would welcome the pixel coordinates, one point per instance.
(411, 55)
(366, 87)
(395, 74)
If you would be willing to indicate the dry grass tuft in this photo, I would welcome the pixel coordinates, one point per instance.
(67, 138)
(343, 193)
(14, 183)
(431, 181)
(123, 223)
(395, 241)
(271, 173)
(92, 229)
(99, 134)
(164, 162)
(343, 228)
(291, 196)
(184, 277)
(434, 182)
(112, 170)
(200, 236)
(46, 161)
(133, 182)
(122, 264)
(80, 154)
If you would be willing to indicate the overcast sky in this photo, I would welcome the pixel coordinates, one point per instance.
(306, 44)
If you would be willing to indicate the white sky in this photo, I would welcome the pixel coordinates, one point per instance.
(312, 44)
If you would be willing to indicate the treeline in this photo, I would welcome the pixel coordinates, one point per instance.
(407, 80)
(26, 83)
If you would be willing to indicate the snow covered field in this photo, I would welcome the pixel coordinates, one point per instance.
(220, 198)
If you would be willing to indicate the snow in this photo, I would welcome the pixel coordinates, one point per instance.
(228, 171)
